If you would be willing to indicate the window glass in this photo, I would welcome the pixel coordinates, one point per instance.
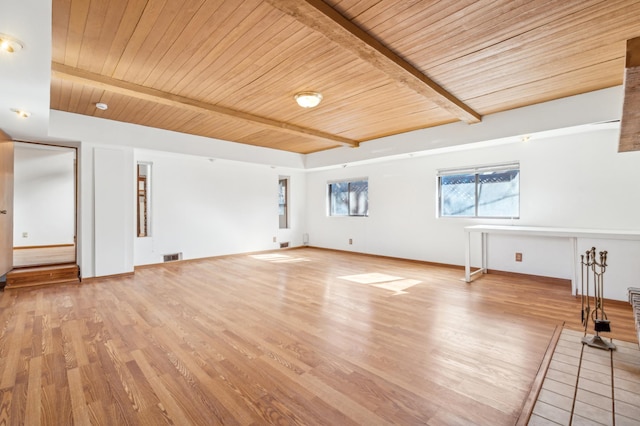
(499, 194)
(349, 198)
(487, 191)
(143, 194)
(359, 198)
(283, 203)
(457, 193)
(339, 198)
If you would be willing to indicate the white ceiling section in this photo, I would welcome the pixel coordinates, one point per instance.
(26, 75)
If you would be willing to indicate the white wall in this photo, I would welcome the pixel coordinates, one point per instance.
(44, 195)
(205, 207)
(113, 188)
(67, 126)
(569, 181)
(556, 116)
(297, 207)
(91, 240)
(92, 133)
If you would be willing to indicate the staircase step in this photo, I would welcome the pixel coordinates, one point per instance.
(41, 275)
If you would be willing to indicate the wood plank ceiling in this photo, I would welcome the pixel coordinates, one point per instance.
(229, 69)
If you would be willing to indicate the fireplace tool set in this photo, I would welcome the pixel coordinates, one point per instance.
(591, 267)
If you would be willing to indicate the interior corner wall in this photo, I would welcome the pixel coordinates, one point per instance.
(105, 244)
(205, 207)
(234, 208)
(294, 234)
(113, 188)
(578, 181)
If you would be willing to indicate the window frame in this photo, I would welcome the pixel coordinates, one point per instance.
(348, 182)
(143, 217)
(286, 215)
(476, 171)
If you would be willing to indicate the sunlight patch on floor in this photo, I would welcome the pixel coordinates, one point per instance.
(371, 278)
(279, 258)
(398, 287)
(388, 282)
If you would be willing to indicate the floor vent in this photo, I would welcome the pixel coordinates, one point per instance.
(284, 245)
(172, 257)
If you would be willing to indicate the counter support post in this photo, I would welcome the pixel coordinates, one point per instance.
(485, 262)
(467, 257)
(574, 269)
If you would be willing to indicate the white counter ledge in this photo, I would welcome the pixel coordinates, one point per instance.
(540, 231)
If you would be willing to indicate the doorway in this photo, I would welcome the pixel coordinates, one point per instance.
(45, 187)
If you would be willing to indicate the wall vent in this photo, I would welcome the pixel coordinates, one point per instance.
(172, 257)
(284, 245)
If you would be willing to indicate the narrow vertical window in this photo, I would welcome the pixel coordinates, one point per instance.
(283, 202)
(143, 195)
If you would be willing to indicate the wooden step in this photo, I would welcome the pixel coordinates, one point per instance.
(41, 275)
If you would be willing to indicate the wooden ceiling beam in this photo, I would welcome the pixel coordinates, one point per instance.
(630, 123)
(319, 16)
(80, 76)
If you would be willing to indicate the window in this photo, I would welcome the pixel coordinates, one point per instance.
(143, 194)
(283, 202)
(484, 191)
(349, 198)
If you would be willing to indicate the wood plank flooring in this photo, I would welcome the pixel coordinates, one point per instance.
(302, 336)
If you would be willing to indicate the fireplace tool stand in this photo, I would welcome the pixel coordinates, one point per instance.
(591, 267)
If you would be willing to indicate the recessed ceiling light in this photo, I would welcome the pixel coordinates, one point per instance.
(102, 106)
(10, 44)
(21, 113)
(308, 99)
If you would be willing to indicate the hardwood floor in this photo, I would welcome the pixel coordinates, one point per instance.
(302, 336)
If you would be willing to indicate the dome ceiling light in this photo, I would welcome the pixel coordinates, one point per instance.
(10, 44)
(308, 99)
(21, 113)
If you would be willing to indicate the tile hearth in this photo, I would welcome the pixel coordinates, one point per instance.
(590, 386)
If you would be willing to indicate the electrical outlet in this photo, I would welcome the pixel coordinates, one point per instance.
(25, 235)
(274, 239)
(350, 241)
(518, 257)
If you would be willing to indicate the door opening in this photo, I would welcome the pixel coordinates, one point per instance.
(45, 188)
